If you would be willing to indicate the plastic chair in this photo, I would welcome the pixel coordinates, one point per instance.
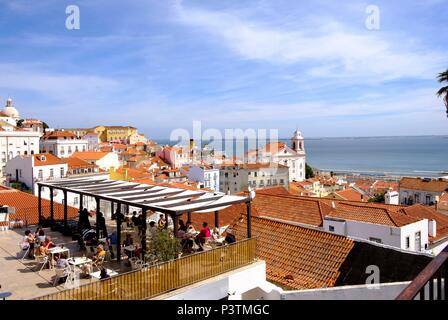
(44, 260)
(24, 247)
(60, 273)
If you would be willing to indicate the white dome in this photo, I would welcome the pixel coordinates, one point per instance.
(10, 111)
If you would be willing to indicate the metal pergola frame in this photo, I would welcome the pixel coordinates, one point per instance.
(172, 202)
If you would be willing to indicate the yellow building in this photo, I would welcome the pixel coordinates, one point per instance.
(114, 133)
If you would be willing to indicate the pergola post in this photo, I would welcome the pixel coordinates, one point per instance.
(118, 220)
(144, 214)
(112, 205)
(81, 200)
(51, 207)
(39, 202)
(189, 216)
(98, 202)
(175, 218)
(249, 217)
(166, 219)
(216, 219)
(65, 208)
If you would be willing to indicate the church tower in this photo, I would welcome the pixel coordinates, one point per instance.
(297, 142)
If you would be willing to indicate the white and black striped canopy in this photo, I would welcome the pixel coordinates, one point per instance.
(150, 197)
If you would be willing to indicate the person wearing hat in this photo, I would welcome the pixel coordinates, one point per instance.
(230, 237)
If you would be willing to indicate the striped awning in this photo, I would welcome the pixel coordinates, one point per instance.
(151, 197)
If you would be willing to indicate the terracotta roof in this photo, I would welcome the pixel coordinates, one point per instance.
(351, 194)
(75, 163)
(90, 155)
(274, 191)
(371, 214)
(26, 206)
(59, 134)
(425, 185)
(420, 211)
(46, 159)
(443, 201)
(297, 257)
(133, 174)
(308, 211)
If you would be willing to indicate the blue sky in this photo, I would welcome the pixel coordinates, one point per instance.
(159, 65)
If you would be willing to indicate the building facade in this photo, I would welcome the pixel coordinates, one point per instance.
(237, 178)
(207, 176)
(62, 144)
(294, 156)
(425, 191)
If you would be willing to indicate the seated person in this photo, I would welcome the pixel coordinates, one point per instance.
(215, 234)
(28, 243)
(111, 243)
(135, 219)
(42, 250)
(190, 229)
(203, 235)
(41, 235)
(230, 237)
(48, 243)
(153, 230)
(61, 261)
(128, 242)
(162, 221)
(100, 253)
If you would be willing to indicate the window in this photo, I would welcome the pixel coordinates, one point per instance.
(282, 181)
(62, 172)
(255, 174)
(408, 242)
(418, 242)
(331, 228)
(25, 152)
(51, 173)
(10, 155)
(3, 156)
(428, 199)
(375, 240)
(32, 151)
(40, 174)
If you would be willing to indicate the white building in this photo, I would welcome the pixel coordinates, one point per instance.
(207, 176)
(237, 178)
(425, 191)
(136, 138)
(392, 197)
(93, 141)
(35, 168)
(293, 157)
(407, 228)
(10, 113)
(62, 144)
(104, 160)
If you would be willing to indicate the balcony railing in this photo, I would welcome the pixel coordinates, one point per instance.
(164, 277)
(431, 283)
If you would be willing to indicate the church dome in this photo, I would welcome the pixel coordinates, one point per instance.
(10, 111)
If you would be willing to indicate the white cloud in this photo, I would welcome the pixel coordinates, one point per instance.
(329, 49)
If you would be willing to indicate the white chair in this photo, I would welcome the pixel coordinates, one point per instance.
(44, 260)
(72, 278)
(60, 273)
(4, 221)
(24, 247)
(133, 262)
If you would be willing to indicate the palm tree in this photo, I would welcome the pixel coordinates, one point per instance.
(443, 78)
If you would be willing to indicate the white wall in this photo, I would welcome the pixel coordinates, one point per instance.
(110, 160)
(232, 284)
(392, 236)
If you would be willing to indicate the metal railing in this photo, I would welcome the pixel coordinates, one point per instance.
(167, 276)
(431, 283)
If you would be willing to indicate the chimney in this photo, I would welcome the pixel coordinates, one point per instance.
(333, 205)
(432, 226)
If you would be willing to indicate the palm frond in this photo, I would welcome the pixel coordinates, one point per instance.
(443, 76)
(442, 91)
